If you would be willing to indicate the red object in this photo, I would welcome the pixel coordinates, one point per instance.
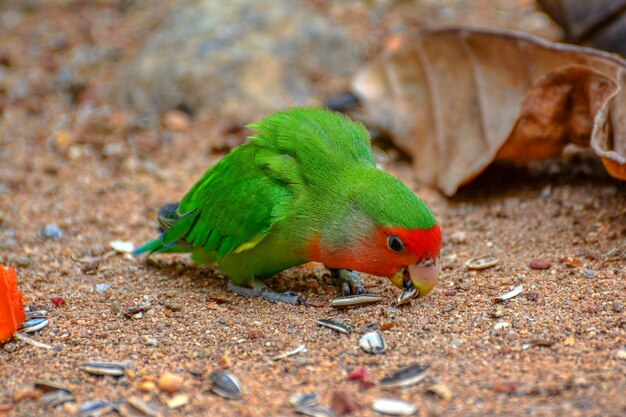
(11, 309)
(58, 301)
(362, 376)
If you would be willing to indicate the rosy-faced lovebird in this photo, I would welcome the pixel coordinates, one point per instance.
(304, 188)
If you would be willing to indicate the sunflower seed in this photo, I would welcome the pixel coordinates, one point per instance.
(106, 368)
(314, 411)
(482, 262)
(331, 324)
(405, 377)
(301, 348)
(37, 314)
(308, 399)
(225, 384)
(373, 342)
(95, 408)
(393, 407)
(56, 398)
(138, 407)
(33, 325)
(407, 296)
(47, 386)
(351, 301)
(514, 293)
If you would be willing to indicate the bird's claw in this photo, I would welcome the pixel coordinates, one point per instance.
(349, 282)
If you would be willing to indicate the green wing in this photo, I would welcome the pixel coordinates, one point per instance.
(235, 204)
(232, 207)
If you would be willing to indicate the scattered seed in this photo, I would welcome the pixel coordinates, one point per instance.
(393, 407)
(314, 411)
(441, 391)
(95, 408)
(373, 343)
(513, 293)
(351, 301)
(226, 385)
(106, 368)
(93, 259)
(56, 398)
(407, 296)
(47, 386)
(307, 399)
(122, 247)
(301, 348)
(140, 407)
(36, 314)
(331, 324)
(482, 262)
(33, 325)
(405, 377)
(129, 312)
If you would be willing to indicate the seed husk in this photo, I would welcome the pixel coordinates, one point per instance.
(136, 406)
(405, 377)
(132, 310)
(373, 343)
(335, 325)
(301, 348)
(37, 314)
(95, 408)
(352, 301)
(314, 411)
(307, 399)
(513, 293)
(47, 386)
(393, 407)
(56, 398)
(226, 385)
(482, 262)
(407, 296)
(33, 325)
(106, 368)
(441, 391)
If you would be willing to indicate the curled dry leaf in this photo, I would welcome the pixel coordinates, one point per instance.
(11, 309)
(457, 99)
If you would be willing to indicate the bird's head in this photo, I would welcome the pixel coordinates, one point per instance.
(386, 230)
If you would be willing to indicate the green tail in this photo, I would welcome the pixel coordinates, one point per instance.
(167, 217)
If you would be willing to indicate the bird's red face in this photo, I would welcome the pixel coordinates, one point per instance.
(408, 257)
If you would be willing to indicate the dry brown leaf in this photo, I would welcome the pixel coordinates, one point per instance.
(456, 99)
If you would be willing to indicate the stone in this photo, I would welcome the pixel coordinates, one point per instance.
(238, 59)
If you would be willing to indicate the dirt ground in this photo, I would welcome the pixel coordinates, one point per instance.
(71, 156)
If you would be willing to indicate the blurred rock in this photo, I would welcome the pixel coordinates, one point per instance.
(239, 59)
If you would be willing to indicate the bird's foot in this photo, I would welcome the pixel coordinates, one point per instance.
(348, 281)
(258, 289)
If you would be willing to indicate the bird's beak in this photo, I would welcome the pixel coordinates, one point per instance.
(419, 278)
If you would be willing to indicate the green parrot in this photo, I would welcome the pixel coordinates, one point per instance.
(304, 188)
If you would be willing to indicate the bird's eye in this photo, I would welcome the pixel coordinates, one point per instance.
(395, 244)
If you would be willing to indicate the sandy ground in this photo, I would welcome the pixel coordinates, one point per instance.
(562, 350)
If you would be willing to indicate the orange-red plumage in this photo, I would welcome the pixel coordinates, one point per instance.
(11, 309)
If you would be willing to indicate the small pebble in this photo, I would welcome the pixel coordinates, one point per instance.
(101, 288)
(170, 383)
(539, 264)
(51, 231)
(58, 301)
(618, 306)
(147, 386)
(589, 273)
(458, 237)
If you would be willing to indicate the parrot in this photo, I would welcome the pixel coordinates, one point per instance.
(304, 187)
